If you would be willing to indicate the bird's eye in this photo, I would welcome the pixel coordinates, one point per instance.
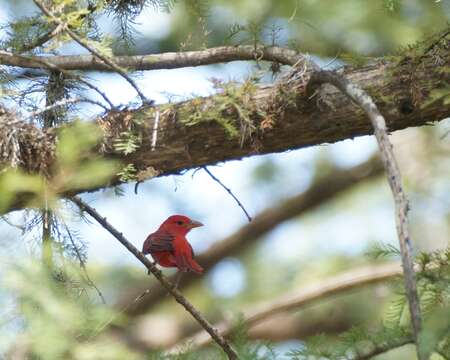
(179, 223)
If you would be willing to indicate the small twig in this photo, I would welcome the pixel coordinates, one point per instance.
(93, 51)
(45, 63)
(114, 316)
(383, 348)
(441, 354)
(83, 266)
(65, 102)
(362, 99)
(10, 223)
(229, 192)
(42, 39)
(220, 340)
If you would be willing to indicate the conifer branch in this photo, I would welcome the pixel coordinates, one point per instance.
(93, 51)
(42, 39)
(178, 296)
(363, 100)
(44, 63)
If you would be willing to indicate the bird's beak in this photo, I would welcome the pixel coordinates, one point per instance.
(194, 224)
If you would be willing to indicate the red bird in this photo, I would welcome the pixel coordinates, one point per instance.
(169, 247)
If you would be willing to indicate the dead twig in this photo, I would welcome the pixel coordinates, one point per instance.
(363, 100)
(229, 192)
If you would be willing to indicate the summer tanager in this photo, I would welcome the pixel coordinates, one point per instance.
(169, 247)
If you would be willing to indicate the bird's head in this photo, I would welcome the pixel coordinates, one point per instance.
(180, 224)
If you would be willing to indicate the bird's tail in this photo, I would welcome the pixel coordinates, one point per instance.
(186, 263)
(195, 267)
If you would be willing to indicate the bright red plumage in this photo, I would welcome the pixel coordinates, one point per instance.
(169, 247)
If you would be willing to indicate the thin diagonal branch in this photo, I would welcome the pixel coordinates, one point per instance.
(363, 100)
(220, 340)
(93, 51)
(229, 192)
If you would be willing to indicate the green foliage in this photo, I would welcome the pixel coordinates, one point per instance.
(246, 34)
(128, 173)
(23, 32)
(392, 5)
(433, 286)
(77, 168)
(233, 111)
(127, 143)
(61, 321)
(249, 350)
(381, 250)
(13, 182)
(442, 95)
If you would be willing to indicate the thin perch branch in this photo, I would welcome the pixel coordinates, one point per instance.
(220, 340)
(229, 192)
(363, 100)
(355, 278)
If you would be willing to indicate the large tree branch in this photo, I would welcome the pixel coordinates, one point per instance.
(324, 189)
(267, 119)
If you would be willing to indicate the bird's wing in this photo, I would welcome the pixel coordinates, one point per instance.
(158, 241)
(192, 250)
